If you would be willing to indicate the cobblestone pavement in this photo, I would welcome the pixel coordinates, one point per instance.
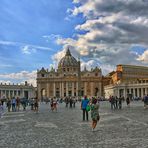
(126, 128)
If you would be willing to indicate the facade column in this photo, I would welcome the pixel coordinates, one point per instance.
(85, 88)
(134, 94)
(138, 92)
(91, 89)
(146, 91)
(60, 83)
(129, 90)
(54, 89)
(73, 88)
(39, 92)
(67, 89)
(77, 89)
(142, 92)
(62, 89)
(118, 94)
(100, 90)
(47, 90)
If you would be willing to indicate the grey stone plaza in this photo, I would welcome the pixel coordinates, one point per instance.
(126, 128)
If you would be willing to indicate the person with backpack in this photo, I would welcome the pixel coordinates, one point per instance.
(84, 104)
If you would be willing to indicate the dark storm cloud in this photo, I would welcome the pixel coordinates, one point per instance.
(135, 33)
(130, 7)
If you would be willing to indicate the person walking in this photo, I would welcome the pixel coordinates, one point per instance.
(9, 104)
(18, 103)
(24, 103)
(66, 101)
(112, 102)
(51, 104)
(120, 103)
(128, 101)
(70, 102)
(36, 105)
(13, 104)
(116, 102)
(94, 113)
(74, 102)
(145, 101)
(84, 104)
(55, 104)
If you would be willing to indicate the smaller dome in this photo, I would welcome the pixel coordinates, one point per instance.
(68, 60)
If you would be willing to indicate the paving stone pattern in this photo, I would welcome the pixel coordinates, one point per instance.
(126, 128)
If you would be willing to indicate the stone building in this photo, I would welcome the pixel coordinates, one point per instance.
(17, 90)
(128, 80)
(69, 80)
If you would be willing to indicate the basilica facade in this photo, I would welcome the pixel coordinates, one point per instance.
(69, 80)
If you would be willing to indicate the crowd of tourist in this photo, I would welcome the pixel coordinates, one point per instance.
(87, 104)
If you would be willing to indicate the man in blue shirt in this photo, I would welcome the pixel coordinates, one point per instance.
(13, 104)
(84, 104)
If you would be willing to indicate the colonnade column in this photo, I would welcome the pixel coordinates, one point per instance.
(16, 93)
(85, 88)
(125, 94)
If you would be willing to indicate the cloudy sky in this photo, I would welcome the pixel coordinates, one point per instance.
(36, 33)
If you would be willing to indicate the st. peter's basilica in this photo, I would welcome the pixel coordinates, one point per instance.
(69, 80)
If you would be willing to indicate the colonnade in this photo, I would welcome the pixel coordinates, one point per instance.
(5, 93)
(134, 92)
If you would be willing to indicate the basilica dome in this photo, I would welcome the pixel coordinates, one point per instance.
(68, 61)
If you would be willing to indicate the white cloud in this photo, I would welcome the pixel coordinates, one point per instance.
(143, 57)
(112, 28)
(28, 50)
(20, 76)
(25, 48)
(5, 65)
